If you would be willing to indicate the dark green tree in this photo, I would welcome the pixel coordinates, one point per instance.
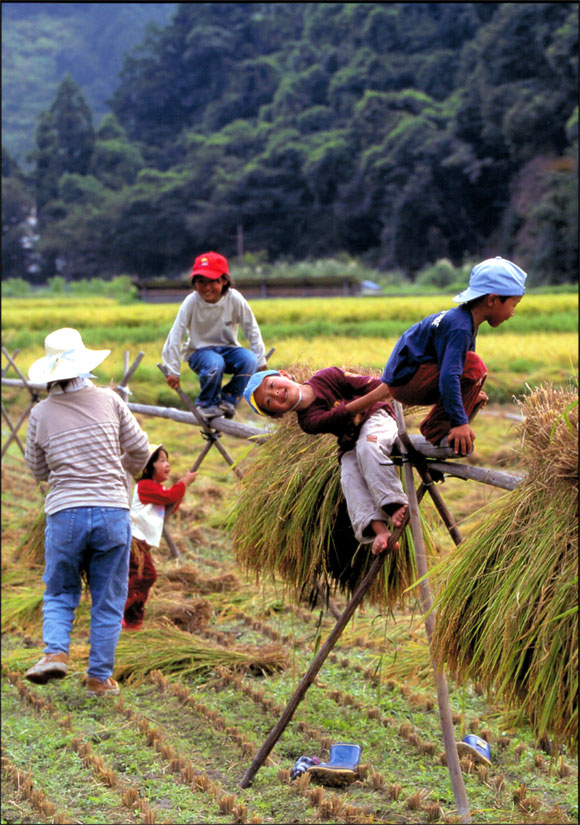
(64, 141)
(115, 160)
(17, 206)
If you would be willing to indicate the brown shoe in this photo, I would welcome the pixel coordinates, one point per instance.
(51, 666)
(97, 688)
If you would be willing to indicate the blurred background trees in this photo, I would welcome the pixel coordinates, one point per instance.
(401, 134)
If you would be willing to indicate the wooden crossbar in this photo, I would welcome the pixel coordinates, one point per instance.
(34, 398)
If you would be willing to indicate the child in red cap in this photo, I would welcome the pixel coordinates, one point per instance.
(210, 316)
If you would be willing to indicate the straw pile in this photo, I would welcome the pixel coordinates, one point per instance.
(290, 522)
(30, 551)
(171, 650)
(507, 611)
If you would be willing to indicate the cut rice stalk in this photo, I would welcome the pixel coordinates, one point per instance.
(165, 648)
(507, 610)
(290, 522)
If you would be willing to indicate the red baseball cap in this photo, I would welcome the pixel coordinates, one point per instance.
(210, 265)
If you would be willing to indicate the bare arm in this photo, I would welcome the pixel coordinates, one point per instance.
(380, 393)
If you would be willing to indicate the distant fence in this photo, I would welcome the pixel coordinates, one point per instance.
(175, 291)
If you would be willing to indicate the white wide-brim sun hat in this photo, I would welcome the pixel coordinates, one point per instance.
(66, 357)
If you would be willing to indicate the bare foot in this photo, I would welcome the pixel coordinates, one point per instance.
(380, 543)
(398, 516)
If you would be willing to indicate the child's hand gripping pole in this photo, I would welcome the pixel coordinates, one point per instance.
(209, 433)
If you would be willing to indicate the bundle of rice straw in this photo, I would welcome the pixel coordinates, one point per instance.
(290, 522)
(507, 611)
(30, 551)
(171, 650)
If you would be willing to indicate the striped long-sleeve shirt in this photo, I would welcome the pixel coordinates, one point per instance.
(82, 441)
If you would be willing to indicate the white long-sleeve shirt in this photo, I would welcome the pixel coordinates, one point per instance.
(211, 325)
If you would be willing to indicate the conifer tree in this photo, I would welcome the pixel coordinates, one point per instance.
(65, 139)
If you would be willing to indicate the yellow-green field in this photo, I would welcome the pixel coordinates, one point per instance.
(539, 343)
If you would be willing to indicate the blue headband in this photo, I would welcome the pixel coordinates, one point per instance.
(253, 384)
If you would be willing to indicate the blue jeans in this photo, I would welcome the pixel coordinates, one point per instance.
(210, 363)
(95, 540)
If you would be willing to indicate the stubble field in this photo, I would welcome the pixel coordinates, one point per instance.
(221, 654)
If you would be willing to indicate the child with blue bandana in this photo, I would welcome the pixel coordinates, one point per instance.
(330, 401)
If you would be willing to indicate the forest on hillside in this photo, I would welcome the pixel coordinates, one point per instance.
(399, 133)
(43, 41)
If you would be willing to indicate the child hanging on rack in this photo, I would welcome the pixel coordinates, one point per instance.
(330, 401)
(210, 317)
(147, 514)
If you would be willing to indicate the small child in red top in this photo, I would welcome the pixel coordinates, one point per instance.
(147, 514)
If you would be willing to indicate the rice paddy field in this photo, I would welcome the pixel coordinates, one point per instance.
(225, 644)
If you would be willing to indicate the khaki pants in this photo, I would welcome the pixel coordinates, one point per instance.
(369, 479)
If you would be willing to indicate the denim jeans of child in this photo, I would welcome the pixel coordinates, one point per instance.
(210, 364)
(95, 540)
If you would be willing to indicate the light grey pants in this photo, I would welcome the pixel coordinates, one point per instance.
(369, 479)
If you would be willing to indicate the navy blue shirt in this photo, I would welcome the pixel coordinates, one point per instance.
(445, 339)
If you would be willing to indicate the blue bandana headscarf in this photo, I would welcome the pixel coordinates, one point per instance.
(253, 384)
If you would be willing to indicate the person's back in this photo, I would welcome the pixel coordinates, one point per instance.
(83, 432)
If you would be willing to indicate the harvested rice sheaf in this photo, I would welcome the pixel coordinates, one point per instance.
(507, 608)
(170, 650)
(31, 549)
(290, 522)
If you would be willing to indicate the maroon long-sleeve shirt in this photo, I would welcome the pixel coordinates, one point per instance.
(334, 388)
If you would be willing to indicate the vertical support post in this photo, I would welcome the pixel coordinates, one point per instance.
(420, 465)
(240, 242)
(453, 765)
(173, 548)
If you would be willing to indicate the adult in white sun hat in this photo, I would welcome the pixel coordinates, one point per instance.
(66, 357)
(82, 439)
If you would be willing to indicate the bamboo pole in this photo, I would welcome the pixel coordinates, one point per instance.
(128, 372)
(34, 398)
(322, 654)
(207, 429)
(13, 431)
(422, 467)
(223, 425)
(452, 756)
(484, 475)
(7, 367)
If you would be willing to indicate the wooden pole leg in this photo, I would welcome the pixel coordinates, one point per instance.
(447, 730)
(322, 654)
(174, 550)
